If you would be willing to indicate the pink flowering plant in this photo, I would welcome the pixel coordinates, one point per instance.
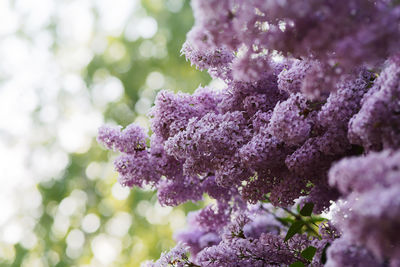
(309, 116)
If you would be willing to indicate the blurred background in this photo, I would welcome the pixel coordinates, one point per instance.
(67, 67)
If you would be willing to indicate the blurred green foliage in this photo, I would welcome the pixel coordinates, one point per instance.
(89, 181)
(160, 53)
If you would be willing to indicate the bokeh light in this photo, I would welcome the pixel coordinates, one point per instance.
(67, 67)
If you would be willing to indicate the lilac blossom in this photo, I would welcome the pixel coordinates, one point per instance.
(369, 213)
(130, 140)
(344, 253)
(310, 110)
(377, 124)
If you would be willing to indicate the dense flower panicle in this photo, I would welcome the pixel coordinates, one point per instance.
(362, 174)
(206, 99)
(216, 61)
(213, 23)
(290, 80)
(262, 138)
(215, 58)
(340, 36)
(264, 158)
(327, 140)
(231, 173)
(264, 151)
(251, 97)
(131, 139)
(374, 223)
(312, 89)
(251, 68)
(220, 193)
(243, 252)
(135, 169)
(319, 81)
(207, 141)
(292, 121)
(175, 192)
(286, 190)
(344, 253)
(260, 119)
(204, 228)
(344, 36)
(197, 240)
(339, 108)
(171, 112)
(261, 224)
(345, 102)
(377, 124)
(257, 243)
(308, 161)
(212, 218)
(370, 212)
(164, 164)
(252, 238)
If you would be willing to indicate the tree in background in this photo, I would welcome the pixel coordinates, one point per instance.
(78, 216)
(310, 114)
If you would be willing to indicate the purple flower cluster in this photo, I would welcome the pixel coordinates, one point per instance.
(175, 257)
(377, 124)
(338, 37)
(310, 110)
(369, 214)
(342, 252)
(253, 238)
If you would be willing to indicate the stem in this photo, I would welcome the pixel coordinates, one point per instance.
(306, 223)
(300, 218)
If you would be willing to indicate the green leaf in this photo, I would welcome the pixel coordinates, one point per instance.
(323, 257)
(297, 264)
(307, 209)
(294, 229)
(285, 221)
(309, 253)
(316, 219)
